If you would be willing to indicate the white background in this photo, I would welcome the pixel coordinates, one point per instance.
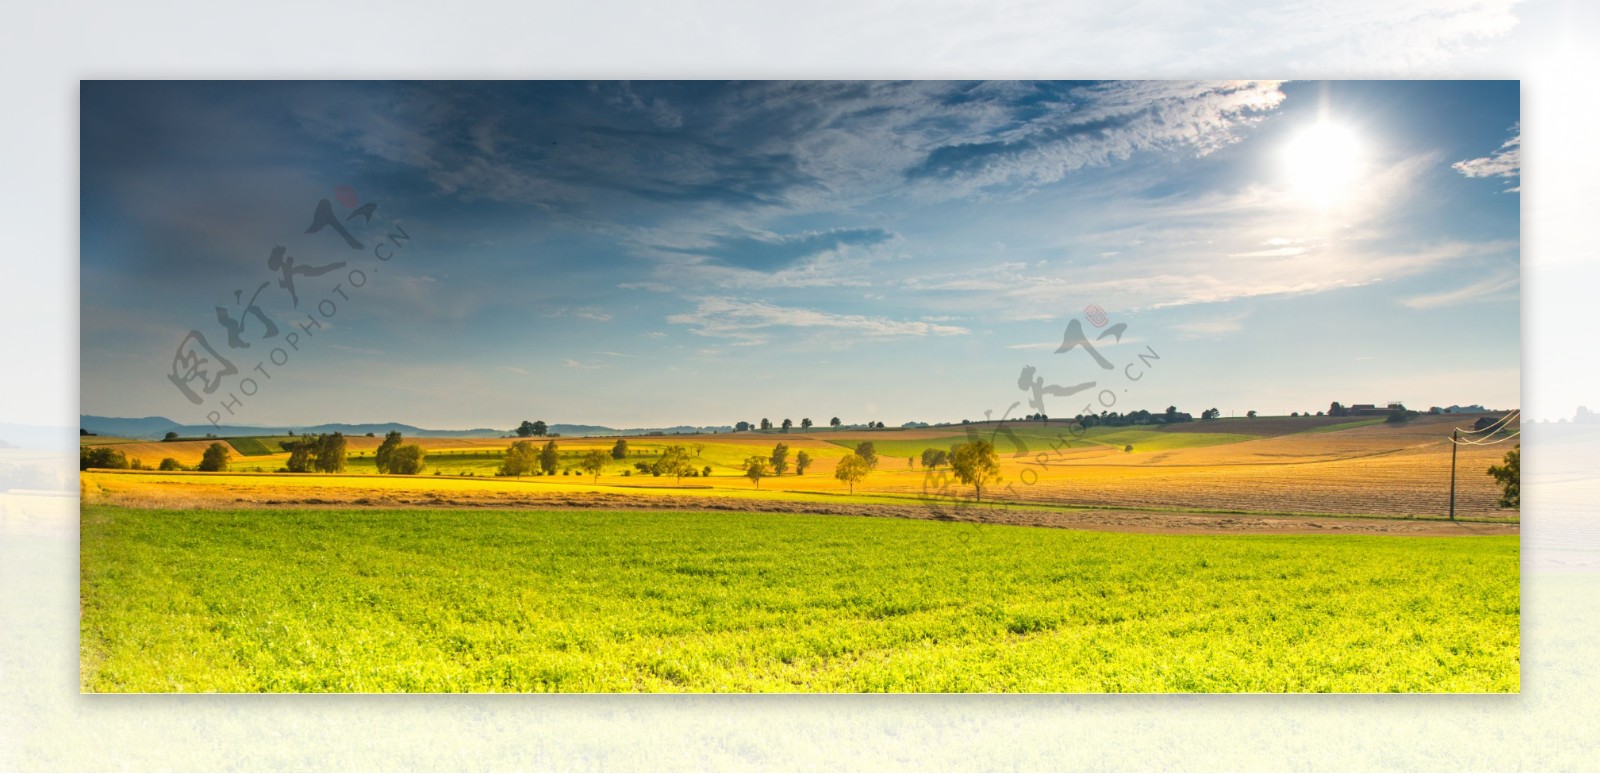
(1555, 724)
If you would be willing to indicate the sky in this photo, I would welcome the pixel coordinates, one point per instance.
(660, 253)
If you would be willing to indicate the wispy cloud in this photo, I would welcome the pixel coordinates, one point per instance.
(769, 252)
(1493, 288)
(586, 312)
(1506, 161)
(1210, 328)
(578, 364)
(748, 321)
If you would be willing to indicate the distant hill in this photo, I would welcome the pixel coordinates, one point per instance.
(154, 428)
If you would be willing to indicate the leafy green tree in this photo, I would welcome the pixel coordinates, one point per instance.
(976, 464)
(540, 428)
(1509, 476)
(619, 450)
(169, 463)
(1210, 414)
(766, 424)
(592, 462)
(851, 469)
(525, 429)
(933, 458)
(801, 462)
(780, 459)
(755, 467)
(520, 460)
(330, 451)
(215, 458)
(674, 462)
(1251, 414)
(549, 458)
(805, 423)
(103, 457)
(742, 427)
(407, 460)
(834, 423)
(391, 441)
(866, 451)
(172, 435)
(300, 453)
(787, 423)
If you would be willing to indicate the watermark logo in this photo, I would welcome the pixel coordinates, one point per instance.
(206, 375)
(948, 493)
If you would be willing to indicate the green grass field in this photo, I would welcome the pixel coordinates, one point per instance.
(468, 600)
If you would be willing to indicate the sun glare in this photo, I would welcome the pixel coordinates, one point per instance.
(1323, 163)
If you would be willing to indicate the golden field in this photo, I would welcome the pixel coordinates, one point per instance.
(1309, 465)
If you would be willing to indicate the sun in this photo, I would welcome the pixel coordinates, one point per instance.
(1323, 163)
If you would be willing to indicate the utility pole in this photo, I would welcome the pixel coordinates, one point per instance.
(1455, 444)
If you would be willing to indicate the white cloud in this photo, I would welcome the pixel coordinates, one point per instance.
(578, 364)
(746, 320)
(1506, 161)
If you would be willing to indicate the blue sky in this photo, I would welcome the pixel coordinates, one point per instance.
(660, 253)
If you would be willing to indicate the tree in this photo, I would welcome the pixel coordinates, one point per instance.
(865, 451)
(834, 423)
(1335, 409)
(593, 462)
(976, 464)
(787, 423)
(406, 460)
(1210, 414)
(521, 458)
(215, 458)
(766, 424)
(933, 458)
(172, 435)
(385, 453)
(330, 451)
(168, 463)
(674, 462)
(742, 427)
(540, 428)
(101, 457)
(1509, 476)
(549, 458)
(1172, 414)
(1251, 414)
(801, 462)
(851, 469)
(780, 459)
(299, 455)
(755, 467)
(525, 429)
(619, 450)
(805, 423)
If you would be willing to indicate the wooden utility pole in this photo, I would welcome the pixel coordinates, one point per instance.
(1455, 443)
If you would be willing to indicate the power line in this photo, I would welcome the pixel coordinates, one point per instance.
(1496, 427)
(1486, 442)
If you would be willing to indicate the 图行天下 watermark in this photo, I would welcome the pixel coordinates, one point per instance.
(967, 490)
(220, 381)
